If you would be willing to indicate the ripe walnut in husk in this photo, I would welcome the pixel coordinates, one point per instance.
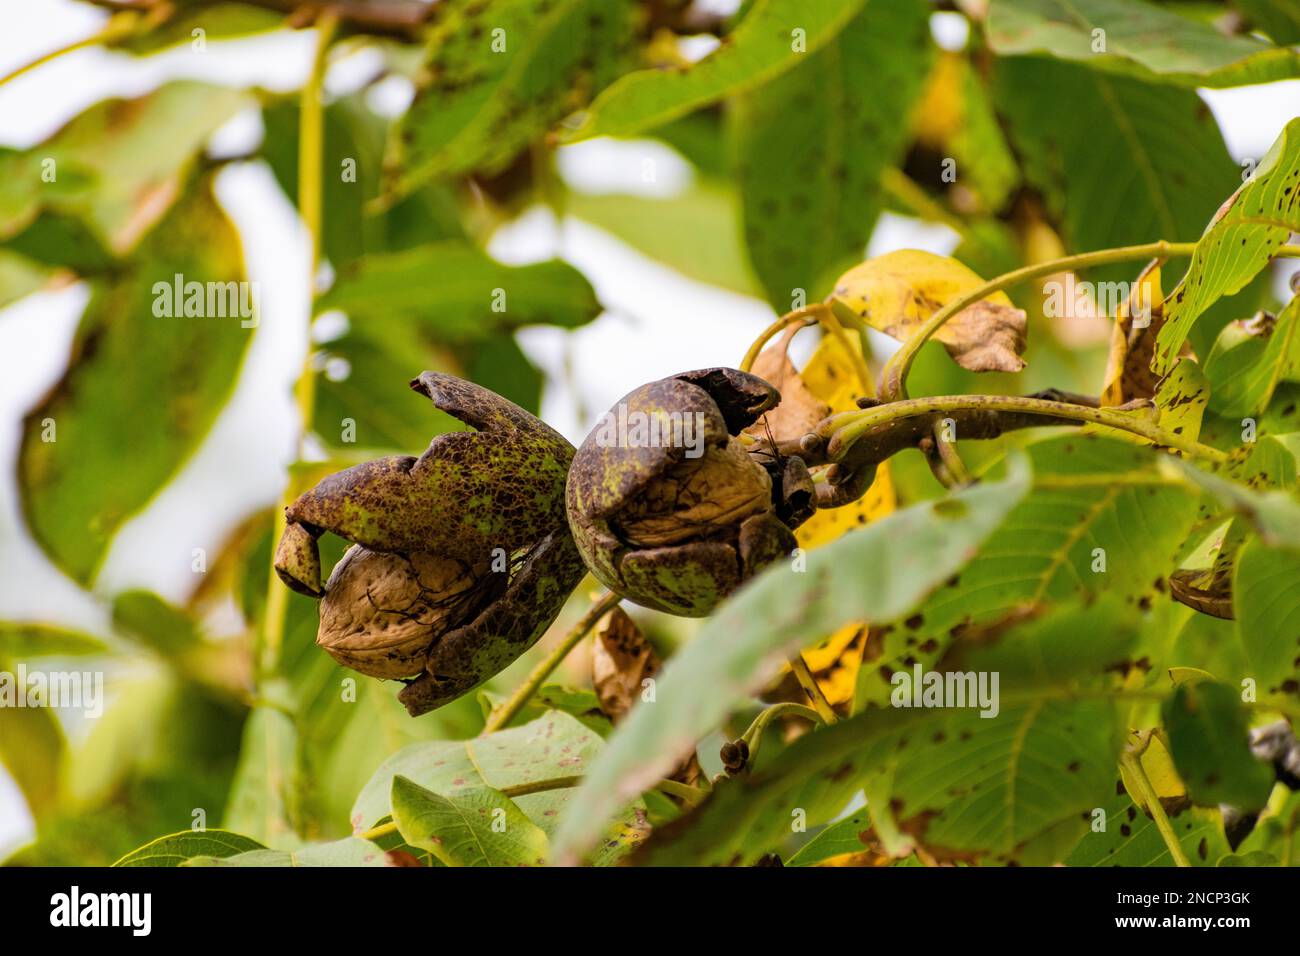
(667, 504)
(462, 557)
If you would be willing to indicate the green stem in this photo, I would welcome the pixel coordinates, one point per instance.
(893, 378)
(1134, 768)
(769, 714)
(502, 716)
(374, 833)
(753, 737)
(808, 316)
(692, 795)
(831, 323)
(848, 427)
(310, 163)
(119, 25)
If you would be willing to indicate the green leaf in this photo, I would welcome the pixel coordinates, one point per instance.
(20, 276)
(1250, 359)
(977, 143)
(216, 21)
(264, 799)
(118, 166)
(476, 827)
(808, 148)
(478, 105)
(1274, 514)
(342, 224)
(1130, 837)
(352, 157)
(1101, 520)
(555, 745)
(1238, 243)
(1210, 743)
(761, 48)
(349, 852)
(1136, 38)
(371, 404)
(580, 703)
(1271, 463)
(452, 292)
(1266, 603)
(23, 640)
(1280, 19)
(1012, 786)
(1114, 167)
(875, 573)
(149, 619)
(78, 485)
(698, 232)
(444, 306)
(176, 848)
(32, 749)
(1182, 397)
(1254, 858)
(836, 839)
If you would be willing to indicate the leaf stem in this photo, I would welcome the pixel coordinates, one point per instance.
(119, 25)
(753, 736)
(807, 316)
(674, 788)
(848, 427)
(374, 833)
(1134, 767)
(507, 712)
(810, 686)
(893, 378)
(831, 323)
(310, 163)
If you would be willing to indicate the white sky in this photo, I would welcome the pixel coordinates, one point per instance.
(658, 323)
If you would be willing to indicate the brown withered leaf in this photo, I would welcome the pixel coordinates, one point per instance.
(800, 410)
(897, 292)
(986, 337)
(1208, 590)
(621, 660)
(1133, 341)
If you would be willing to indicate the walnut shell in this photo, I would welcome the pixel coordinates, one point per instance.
(678, 525)
(381, 613)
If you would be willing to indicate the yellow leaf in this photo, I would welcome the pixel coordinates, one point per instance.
(938, 115)
(1158, 766)
(1132, 344)
(897, 292)
(829, 376)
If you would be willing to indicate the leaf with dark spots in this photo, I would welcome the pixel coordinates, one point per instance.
(1211, 748)
(77, 486)
(858, 577)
